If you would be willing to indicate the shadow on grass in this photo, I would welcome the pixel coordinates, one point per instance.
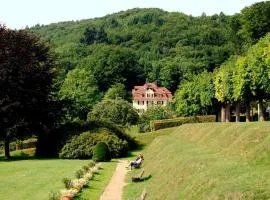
(23, 156)
(19, 158)
(135, 152)
(137, 179)
(146, 178)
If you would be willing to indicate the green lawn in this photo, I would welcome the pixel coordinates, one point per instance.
(207, 161)
(34, 178)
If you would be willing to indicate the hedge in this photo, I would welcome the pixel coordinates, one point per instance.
(166, 123)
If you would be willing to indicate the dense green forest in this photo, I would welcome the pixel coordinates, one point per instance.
(146, 45)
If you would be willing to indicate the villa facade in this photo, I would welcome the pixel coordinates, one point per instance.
(150, 95)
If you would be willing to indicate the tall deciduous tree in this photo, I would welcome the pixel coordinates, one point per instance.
(116, 91)
(114, 64)
(81, 90)
(94, 34)
(223, 84)
(195, 96)
(118, 111)
(25, 82)
(255, 21)
(241, 90)
(259, 70)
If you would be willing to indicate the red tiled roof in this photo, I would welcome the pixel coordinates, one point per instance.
(160, 93)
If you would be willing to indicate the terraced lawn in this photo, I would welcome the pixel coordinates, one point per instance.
(206, 161)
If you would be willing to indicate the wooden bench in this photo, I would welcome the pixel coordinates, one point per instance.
(137, 178)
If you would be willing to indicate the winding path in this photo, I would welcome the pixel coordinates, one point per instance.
(114, 189)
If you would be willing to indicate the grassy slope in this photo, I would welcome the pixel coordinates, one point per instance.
(146, 138)
(208, 161)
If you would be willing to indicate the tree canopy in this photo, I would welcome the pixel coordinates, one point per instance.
(79, 88)
(26, 77)
(118, 111)
(195, 96)
(170, 48)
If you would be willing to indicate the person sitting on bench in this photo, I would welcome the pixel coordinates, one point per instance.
(137, 162)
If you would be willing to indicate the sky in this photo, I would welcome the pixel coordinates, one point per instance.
(17, 14)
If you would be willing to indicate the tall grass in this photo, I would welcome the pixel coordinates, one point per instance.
(207, 161)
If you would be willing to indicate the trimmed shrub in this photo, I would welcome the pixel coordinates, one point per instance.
(166, 123)
(101, 152)
(82, 146)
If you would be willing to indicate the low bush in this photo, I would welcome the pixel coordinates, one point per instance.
(52, 143)
(82, 146)
(101, 152)
(91, 164)
(67, 183)
(166, 123)
(74, 187)
(85, 168)
(79, 173)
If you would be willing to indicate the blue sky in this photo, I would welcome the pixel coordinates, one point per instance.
(19, 13)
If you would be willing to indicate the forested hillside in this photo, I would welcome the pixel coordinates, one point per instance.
(167, 45)
(139, 45)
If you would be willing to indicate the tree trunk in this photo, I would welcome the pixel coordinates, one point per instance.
(218, 116)
(7, 152)
(223, 113)
(260, 111)
(247, 112)
(237, 112)
(228, 113)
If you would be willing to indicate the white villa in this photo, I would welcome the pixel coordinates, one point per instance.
(149, 95)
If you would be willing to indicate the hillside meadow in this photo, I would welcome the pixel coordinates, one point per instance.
(206, 161)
